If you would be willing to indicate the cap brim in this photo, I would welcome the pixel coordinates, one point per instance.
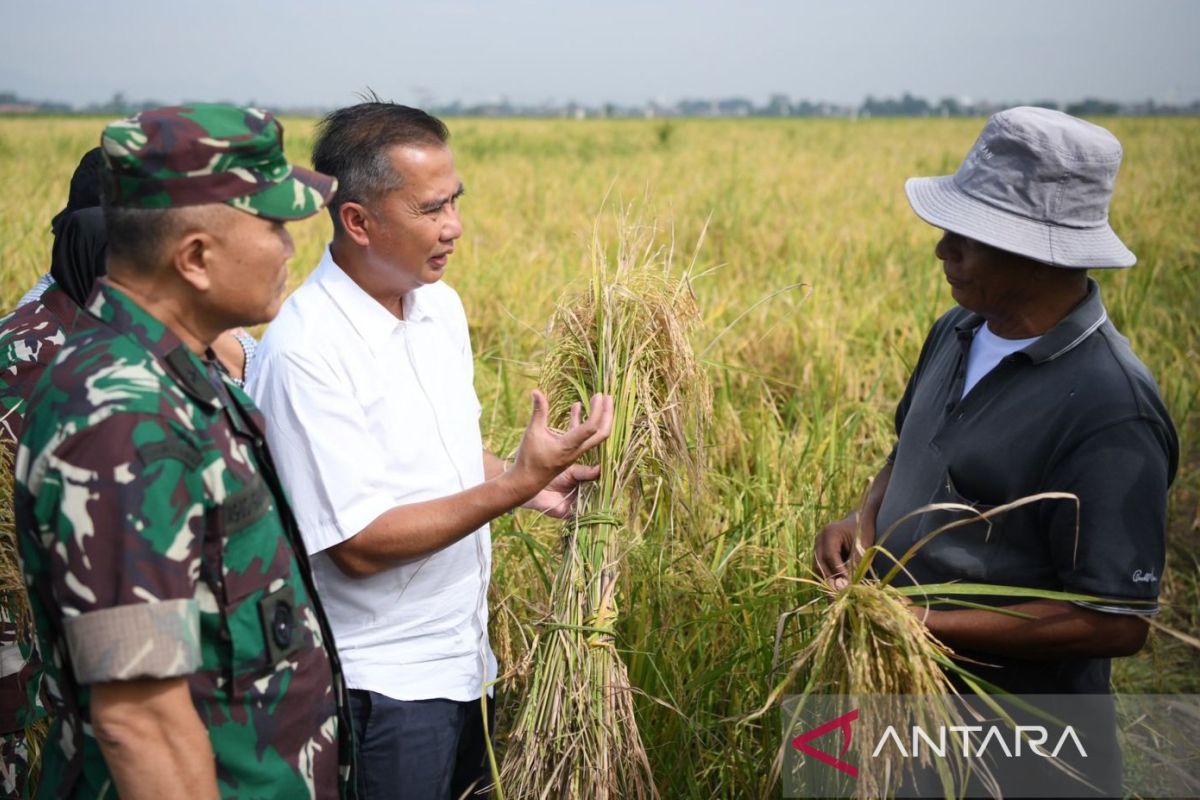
(942, 204)
(300, 195)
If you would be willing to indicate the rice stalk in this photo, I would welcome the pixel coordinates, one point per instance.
(576, 735)
(14, 602)
(869, 642)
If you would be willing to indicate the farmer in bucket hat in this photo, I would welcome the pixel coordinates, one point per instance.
(187, 653)
(1026, 387)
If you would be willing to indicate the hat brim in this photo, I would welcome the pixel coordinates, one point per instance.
(303, 193)
(942, 204)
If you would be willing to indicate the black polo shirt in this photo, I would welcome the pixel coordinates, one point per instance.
(1075, 411)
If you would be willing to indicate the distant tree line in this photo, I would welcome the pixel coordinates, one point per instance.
(777, 105)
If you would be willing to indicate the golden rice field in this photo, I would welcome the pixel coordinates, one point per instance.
(816, 285)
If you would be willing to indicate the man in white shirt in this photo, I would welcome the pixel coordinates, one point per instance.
(366, 378)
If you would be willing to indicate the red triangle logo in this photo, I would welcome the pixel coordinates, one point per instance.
(841, 723)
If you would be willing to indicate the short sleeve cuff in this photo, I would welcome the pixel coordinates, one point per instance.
(1143, 610)
(349, 522)
(140, 640)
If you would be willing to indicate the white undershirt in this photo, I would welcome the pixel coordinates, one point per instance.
(987, 350)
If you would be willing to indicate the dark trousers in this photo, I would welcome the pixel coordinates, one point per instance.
(419, 749)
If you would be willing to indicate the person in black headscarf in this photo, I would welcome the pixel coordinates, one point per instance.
(31, 336)
(78, 256)
(84, 193)
(77, 260)
(85, 188)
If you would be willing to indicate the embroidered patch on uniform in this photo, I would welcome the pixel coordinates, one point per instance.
(174, 448)
(246, 505)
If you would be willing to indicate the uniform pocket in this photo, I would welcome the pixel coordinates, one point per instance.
(251, 546)
(261, 596)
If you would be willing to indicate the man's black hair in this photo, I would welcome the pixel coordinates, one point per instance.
(353, 145)
(136, 235)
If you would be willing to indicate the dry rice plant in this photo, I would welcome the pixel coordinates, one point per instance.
(575, 735)
(870, 642)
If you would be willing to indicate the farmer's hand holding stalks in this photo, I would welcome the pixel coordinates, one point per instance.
(1045, 629)
(840, 544)
(1041, 629)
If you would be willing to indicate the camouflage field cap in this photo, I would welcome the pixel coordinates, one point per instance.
(210, 153)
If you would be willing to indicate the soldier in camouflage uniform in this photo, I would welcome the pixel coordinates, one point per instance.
(187, 653)
(30, 338)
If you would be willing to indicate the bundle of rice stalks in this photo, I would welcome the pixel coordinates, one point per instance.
(575, 735)
(868, 641)
(869, 644)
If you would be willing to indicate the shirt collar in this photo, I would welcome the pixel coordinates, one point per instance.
(373, 322)
(1069, 333)
(60, 304)
(119, 312)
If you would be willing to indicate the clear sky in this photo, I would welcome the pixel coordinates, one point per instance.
(302, 52)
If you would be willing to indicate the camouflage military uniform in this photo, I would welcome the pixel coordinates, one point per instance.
(30, 337)
(20, 701)
(157, 543)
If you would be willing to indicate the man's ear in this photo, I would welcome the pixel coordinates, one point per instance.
(191, 258)
(354, 221)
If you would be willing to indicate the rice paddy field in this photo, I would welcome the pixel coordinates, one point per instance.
(815, 284)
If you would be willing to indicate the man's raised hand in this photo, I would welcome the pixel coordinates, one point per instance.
(546, 457)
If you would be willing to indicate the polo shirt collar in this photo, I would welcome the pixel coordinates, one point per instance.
(370, 319)
(1069, 333)
(118, 311)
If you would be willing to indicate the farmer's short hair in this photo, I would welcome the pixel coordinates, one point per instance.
(352, 144)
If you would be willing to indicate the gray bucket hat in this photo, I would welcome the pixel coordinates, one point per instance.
(1037, 183)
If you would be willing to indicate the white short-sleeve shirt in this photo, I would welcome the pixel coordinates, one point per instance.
(366, 412)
